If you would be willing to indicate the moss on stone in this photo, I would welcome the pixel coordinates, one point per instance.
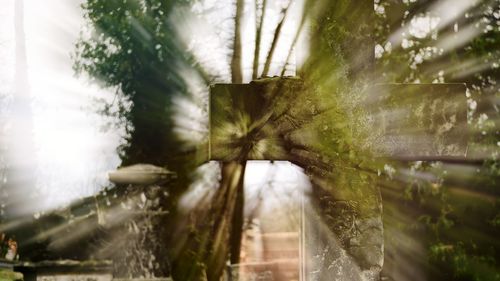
(8, 275)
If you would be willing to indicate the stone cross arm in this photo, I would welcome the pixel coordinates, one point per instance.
(280, 119)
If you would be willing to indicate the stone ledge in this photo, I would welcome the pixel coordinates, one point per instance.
(66, 266)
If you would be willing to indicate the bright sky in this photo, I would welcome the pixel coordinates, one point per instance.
(73, 152)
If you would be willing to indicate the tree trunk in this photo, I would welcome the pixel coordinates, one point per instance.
(238, 219)
(224, 213)
(20, 154)
(227, 236)
(238, 212)
(229, 200)
(274, 43)
(259, 21)
(236, 73)
(305, 13)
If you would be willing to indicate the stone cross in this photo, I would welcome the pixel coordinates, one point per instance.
(260, 121)
(281, 118)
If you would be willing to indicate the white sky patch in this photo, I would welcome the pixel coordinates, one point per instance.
(437, 16)
(421, 26)
(280, 184)
(450, 10)
(379, 51)
(74, 153)
(7, 51)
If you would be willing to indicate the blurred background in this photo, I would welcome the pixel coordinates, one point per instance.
(89, 86)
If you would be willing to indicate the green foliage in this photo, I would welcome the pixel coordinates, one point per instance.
(455, 204)
(7, 275)
(134, 47)
(463, 264)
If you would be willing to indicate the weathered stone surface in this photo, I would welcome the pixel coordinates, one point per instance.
(419, 120)
(346, 219)
(140, 174)
(248, 121)
(266, 119)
